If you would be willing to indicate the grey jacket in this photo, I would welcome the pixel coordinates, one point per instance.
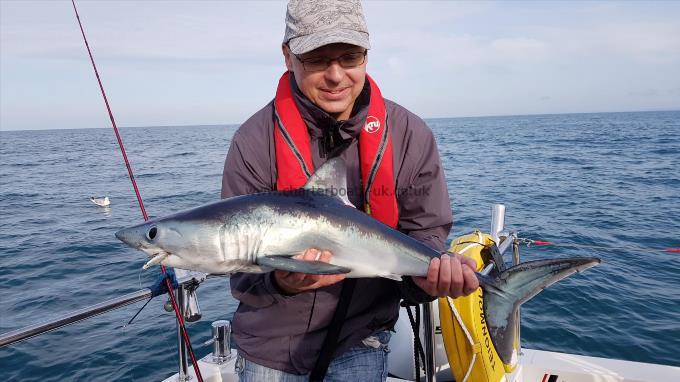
(286, 332)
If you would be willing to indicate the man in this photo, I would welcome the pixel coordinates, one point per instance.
(327, 106)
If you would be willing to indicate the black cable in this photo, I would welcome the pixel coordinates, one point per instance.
(418, 352)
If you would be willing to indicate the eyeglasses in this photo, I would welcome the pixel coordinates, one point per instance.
(346, 61)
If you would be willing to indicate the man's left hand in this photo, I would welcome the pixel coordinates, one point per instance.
(450, 275)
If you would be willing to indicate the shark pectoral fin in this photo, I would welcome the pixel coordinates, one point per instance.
(289, 264)
(392, 276)
(504, 294)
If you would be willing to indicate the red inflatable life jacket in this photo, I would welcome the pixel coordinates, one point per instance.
(294, 155)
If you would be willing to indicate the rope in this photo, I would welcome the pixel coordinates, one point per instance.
(460, 319)
(467, 335)
(168, 282)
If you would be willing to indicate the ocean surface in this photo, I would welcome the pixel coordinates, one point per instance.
(610, 181)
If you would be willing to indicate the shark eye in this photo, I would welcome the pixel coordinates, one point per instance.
(151, 234)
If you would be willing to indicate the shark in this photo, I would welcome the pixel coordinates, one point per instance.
(262, 232)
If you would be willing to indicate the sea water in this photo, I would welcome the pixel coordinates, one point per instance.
(605, 185)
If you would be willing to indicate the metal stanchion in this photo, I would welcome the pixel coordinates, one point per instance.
(73, 317)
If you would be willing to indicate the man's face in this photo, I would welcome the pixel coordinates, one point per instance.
(333, 89)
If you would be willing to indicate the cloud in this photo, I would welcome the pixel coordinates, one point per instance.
(518, 50)
(444, 51)
(216, 61)
(644, 93)
(643, 41)
(144, 31)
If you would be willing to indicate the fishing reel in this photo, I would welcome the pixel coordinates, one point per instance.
(187, 299)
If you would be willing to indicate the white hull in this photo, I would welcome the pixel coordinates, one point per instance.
(539, 365)
(534, 365)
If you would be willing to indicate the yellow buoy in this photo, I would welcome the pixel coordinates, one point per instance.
(470, 351)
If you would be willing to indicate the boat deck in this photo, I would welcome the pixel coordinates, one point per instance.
(535, 365)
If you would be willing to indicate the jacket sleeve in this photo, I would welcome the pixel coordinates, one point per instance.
(244, 174)
(424, 205)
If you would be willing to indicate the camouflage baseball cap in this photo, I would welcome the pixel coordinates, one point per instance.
(314, 23)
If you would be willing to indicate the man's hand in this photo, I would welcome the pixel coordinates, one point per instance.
(293, 282)
(451, 276)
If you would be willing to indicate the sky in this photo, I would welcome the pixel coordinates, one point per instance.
(218, 62)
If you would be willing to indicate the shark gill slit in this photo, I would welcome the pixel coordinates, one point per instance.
(223, 238)
(261, 231)
(252, 241)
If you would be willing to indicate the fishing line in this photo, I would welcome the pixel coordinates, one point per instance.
(180, 320)
(139, 278)
(138, 312)
(530, 242)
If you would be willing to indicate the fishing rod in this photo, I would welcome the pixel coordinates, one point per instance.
(178, 315)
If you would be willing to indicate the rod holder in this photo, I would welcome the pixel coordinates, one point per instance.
(191, 309)
(497, 221)
(189, 282)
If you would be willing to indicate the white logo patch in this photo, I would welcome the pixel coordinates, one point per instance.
(372, 124)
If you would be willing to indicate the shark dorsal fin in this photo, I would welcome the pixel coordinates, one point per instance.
(331, 179)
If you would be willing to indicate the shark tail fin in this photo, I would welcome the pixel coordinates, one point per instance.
(514, 286)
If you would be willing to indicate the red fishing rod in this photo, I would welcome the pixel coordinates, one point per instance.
(180, 320)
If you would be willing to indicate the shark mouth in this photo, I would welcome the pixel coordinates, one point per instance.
(155, 259)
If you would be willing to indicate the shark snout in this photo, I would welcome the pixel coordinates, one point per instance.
(132, 236)
(125, 236)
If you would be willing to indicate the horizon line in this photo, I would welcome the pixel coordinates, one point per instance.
(424, 118)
